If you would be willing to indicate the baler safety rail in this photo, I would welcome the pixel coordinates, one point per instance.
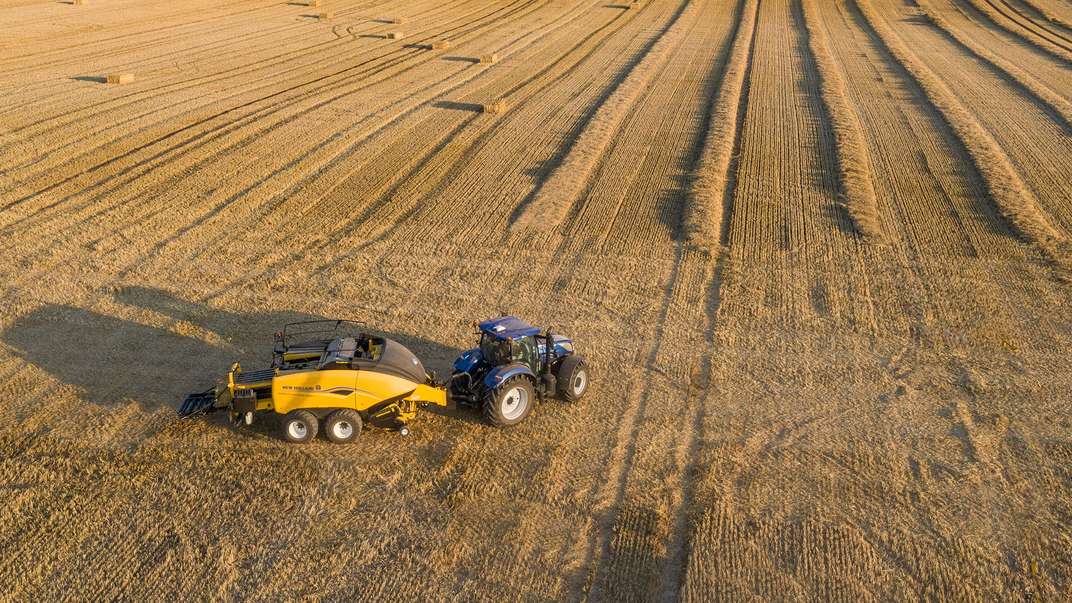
(197, 404)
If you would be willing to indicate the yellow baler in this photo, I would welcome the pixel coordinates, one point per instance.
(341, 383)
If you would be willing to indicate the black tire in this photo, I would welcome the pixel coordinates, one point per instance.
(509, 403)
(300, 426)
(343, 426)
(572, 378)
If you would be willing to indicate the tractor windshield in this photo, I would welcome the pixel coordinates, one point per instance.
(498, 352)
(494, 350)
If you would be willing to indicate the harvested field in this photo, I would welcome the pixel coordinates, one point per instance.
(816, 251)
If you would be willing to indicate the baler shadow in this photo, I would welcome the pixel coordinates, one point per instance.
(113, 360)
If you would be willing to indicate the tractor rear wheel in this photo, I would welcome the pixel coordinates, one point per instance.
(572, 378)
(509, 403)
(300, 426)
(343, 426)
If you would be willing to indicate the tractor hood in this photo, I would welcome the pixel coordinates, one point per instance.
(467, 360)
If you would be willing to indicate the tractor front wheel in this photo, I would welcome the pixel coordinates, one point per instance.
(572, 377)
(343, 426)
(299, 426)
(509, 403)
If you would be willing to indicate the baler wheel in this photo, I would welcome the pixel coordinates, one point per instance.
(343, 426)
(300, 426)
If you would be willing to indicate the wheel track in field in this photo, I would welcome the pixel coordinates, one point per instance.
(631, 170)
(617, 566)
(852, 157)
(626, 559)
(102, 56)
(705, 218)
(191, 24)
(1050, 100)
(1047, 14)
(401, 54)
(1042, 26)
(1001, 20)
(350, 78)
(384, 195)
(56, 90)
(546, 208)
(786, 191)
(241, 70)
(336, 214)
(1031, 136)
(914, 203)
(1013, 199)
(47, 269)
(732, 83)
(382, 225)
(228, 233)
(494, 216)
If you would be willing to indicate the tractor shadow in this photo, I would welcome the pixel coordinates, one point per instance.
(112, 361)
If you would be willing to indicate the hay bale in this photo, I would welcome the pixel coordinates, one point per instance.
(396, 35)
(489, 58)
(80, 2)
(313, 3)
(325, 16)
(494, 107)
(397, 20)
(440, 45)
(120, 78)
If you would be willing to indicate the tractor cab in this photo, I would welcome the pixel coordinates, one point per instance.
(505, 342)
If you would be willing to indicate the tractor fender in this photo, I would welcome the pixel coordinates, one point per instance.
(500, 374)
(563, 346)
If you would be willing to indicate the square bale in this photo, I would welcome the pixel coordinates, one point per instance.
(313, 3)
(440, 45)
(397, 20)
(490, 59)
(396, 35)
(326, 16)
(120, 78)
(494, 107)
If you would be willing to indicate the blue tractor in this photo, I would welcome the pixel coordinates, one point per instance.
(514, 366)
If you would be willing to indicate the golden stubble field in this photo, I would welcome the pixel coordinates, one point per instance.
(816, 250)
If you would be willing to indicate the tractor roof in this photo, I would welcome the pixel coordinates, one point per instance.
(508, 327)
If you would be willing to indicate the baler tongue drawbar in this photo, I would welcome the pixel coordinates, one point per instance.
(197, 404)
